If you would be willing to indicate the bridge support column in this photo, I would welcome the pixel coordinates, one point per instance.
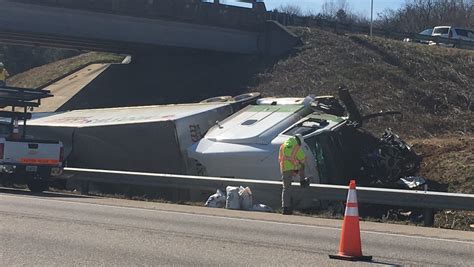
(277, 39)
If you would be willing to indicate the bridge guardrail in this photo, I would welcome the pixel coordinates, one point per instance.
(197, 11)
(384, 196)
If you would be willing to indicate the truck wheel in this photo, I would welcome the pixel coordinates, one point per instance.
(37, 185)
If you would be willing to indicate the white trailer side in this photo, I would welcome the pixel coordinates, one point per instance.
(148, 138)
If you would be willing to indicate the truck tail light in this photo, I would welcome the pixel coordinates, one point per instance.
(61, 154)
(2, 148)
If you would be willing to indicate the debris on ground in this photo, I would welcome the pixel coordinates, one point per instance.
(261, 208)
(232, 200)
(412, 182)
(390, 159)
(235, 198)
(245, 196)
(217, 200)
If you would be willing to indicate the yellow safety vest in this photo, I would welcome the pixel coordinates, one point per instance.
(3, 75)
(291, 156)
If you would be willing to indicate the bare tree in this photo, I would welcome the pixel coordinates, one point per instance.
(290, 10)
(341, 10)
(420, 14)
(331, 7)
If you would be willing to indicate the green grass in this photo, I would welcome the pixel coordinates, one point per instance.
(39, 76)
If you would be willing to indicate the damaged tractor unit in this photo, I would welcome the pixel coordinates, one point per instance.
(337, 147)
(240, 138)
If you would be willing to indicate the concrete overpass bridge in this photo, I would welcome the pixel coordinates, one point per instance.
(132, 25)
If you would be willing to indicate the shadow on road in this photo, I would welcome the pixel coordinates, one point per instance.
(385, 263)
(24, 192)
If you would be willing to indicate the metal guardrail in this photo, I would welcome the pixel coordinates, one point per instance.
(395, 197)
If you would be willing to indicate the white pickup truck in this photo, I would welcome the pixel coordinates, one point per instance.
(453, 33)
(24, 160)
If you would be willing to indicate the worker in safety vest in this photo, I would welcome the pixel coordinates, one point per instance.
(291, 159)
(3, 75)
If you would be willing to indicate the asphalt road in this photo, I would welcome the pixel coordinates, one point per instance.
(67, 230)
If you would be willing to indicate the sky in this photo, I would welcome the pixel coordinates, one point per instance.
(358, 6)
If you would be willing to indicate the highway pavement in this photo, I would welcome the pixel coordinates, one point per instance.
(66, 230)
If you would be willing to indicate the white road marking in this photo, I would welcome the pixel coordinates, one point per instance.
(245, 220)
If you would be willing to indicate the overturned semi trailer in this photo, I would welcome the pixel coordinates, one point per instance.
(145, 139)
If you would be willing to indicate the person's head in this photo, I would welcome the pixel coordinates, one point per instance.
(291, 141)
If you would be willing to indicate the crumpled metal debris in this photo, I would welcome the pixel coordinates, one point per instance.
(389, 160)
(412, 182)
(217, 200)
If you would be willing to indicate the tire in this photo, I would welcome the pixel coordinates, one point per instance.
(37, 185)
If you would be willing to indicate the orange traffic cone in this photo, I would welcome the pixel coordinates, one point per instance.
(350, 247)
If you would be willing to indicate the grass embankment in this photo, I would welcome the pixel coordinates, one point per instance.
(39, 76)
(432, 86)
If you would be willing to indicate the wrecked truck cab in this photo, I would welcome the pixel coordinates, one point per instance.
(246, 145)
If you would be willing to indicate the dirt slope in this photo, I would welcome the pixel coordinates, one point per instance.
(41, 75)
(448, 160)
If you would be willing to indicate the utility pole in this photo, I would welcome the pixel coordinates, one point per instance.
(371, 16)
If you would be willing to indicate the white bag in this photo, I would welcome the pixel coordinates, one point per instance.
(261, 207)
(216, 201)
(232, 200)
(246, 200)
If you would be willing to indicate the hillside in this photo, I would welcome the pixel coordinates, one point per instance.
(433, 86)
(18, 58)
(38, 76)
